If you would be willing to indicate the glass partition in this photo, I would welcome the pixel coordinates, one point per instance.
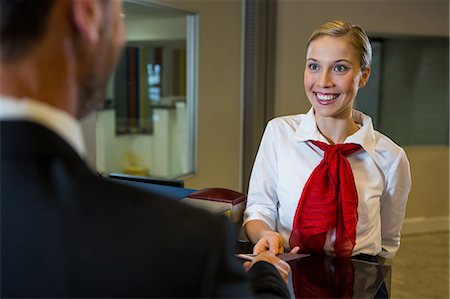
(407, 94)
(147, 125)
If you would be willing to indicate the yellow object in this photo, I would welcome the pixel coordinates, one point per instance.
(132, 166)
(133, 170)
(228, 213)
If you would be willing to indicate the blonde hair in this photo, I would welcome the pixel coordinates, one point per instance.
(358, 38)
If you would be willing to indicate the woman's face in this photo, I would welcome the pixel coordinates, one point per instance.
(333, 76)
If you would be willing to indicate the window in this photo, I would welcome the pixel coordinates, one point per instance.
(148, 123)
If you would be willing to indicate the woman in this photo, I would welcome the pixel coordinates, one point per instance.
(326, 181)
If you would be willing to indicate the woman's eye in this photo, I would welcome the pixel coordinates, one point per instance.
(340, 68)
(313, 66)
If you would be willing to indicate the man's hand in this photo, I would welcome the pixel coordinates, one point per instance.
(282, 267)
(271, 241)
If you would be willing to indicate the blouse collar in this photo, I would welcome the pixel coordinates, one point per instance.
(365, 136)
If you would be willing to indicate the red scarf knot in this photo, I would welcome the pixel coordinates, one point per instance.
(329, 200)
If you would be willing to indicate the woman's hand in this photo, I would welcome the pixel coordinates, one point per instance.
(270, 241)
(295, 250)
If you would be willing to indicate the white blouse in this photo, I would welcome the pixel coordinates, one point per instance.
(286, 159)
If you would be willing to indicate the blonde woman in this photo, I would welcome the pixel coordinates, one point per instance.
(326, 182)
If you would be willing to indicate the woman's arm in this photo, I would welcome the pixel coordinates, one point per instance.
(264, 238)
(261, 211)
(393, 205)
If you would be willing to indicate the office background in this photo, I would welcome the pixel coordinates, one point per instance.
(220, 142)
(219, 131)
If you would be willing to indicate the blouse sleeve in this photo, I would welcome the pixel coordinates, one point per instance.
(262, 199)
(393, 205)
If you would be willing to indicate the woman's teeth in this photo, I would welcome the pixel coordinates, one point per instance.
(326, 97)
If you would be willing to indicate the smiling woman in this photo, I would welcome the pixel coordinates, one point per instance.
(326, 181)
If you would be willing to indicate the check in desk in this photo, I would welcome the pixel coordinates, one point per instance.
(312, 276)
(217, 201)
(167, 188)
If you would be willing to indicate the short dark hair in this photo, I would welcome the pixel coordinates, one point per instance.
(22, 22)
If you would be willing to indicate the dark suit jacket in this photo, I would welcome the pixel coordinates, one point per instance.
(66, 232)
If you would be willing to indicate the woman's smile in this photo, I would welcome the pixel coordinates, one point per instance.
(326, 98)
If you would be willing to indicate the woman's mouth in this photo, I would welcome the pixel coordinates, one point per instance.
(326, 98)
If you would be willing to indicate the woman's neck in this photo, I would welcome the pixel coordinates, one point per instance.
(336, 130)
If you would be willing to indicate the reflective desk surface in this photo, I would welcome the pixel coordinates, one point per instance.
(328, 277)
(319, 276)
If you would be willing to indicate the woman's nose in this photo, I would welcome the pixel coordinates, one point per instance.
(325, 79)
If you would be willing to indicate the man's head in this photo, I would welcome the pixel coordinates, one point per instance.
(22, 23)
(101, 60)
(78, 41)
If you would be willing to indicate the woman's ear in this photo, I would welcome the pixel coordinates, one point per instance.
(86, 16)
(364, 77)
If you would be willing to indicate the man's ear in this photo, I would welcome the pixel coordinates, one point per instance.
(365, 77)
(86, 15)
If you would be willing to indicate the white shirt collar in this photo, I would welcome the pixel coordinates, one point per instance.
(308, 130)
(60, 122)
(365, 136)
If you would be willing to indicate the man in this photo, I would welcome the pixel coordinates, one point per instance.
(66, 232)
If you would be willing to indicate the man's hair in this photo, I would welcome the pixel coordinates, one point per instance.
(22, 22)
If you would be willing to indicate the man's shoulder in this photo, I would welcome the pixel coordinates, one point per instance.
(138, 198)
(40, 148)
(24, 137)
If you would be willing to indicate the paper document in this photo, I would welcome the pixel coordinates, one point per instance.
(283, 256)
